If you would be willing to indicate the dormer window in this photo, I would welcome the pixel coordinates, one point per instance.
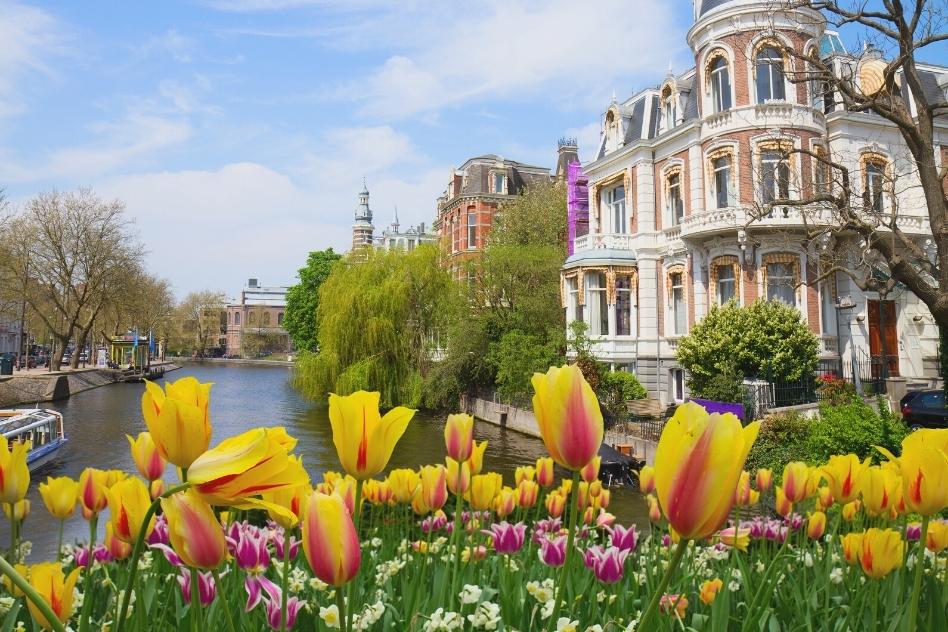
(612, 130)
(669, 108)
(498, 183)
(720, 85)
(769, 74)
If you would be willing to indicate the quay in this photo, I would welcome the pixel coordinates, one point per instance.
(33, 386)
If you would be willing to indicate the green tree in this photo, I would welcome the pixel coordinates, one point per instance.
(302, 299)
(514, 322)
(379, 319)
(766, 339)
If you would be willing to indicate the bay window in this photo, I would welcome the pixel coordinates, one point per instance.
(679, 315)
(624, 305)
(774, 176)
(769, 74)
(598, 307)
(720, 85)
(874, 185)
(726, 283)
(722, 181)
(781, 283)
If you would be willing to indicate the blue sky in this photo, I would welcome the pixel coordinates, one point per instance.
(237, 132)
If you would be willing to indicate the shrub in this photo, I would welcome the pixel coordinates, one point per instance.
(618, 387)
(854, 427)
(782, 438)
(767, 339)
(835, 390)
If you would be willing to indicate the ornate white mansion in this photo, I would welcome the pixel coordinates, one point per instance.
(678, 215)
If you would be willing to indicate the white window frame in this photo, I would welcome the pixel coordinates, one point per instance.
(597, 301)
(678, 308)
(728, 180)
(874, 183)
(471, 230)
(765, 161)
(788, 281)
(773, 82)
(718, 294)
(629, 292)
(673, 208)
(502, 190)
(618, 219)
(720, 87)
(677, 384)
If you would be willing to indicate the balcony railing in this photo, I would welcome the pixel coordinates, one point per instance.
(598, 241)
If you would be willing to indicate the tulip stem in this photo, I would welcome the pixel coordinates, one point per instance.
(13, 524)
(195, 600)
(137, 553)
(286, 576)
(41, 604)
(223, 594)
(357, 515)
(87, 588)
(59, 550)
(456, 537)
(917, 583)
(561, 585)
(341, 605)
(662, 585)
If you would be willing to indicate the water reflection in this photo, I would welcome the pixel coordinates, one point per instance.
(244, 397)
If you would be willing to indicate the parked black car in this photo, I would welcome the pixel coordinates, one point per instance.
(924, 409)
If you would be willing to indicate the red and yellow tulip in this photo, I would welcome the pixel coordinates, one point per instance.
(240, 468)
(292, 500)
(129, 501)
(459, 476)
(555, 504)
(194, 531)
(484, 487)
(119, 549)
(698, 462)
(178, 419)
(476, 461)
(459, 436)
(93, 487)
(404, 483)
(937, 538)
(852, 544)
(55, 588)
(878, 489)
(590, 471)
(147, 458)
(881, 552)
(764, 479)
(363, 438)
(795, 477)
(330, 542)
(568, 415)
(924, 467)
(524, 473)
(842, 472)
(434, 486)
(527, 494)
(816, 525)
(545, 472)
(709, 590)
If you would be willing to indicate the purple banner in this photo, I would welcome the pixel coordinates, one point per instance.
(721, 407)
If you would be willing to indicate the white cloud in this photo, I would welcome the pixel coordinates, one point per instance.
(512, 49)
(216, 228)
(27, 36)
(587, 139)
(180, 47)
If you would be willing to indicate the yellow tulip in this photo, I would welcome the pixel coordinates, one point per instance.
(816, 525)
(698, 462)
(193, 530)
(60, 496)
(364, 439)
(14, 472)
(590, 471)
(781, 503)
(345, 488)
(842, 472)
(93, 485)
(484, 487)
(293, 500)
(647, 479)
(459, 436)
(129, 501)
(924, 465)
(55, 588)
(764, 479)
(404, 484)
(147, 458)
(178, 419)
(735, 537)
(877, 487)
(881, 552)
(459, 476)
(23, 571)
(476, 461)
(566, 486)
(434, 486)
(795, 476)
(117, 548)
(850, 510)
(21, 509)
(825, 498)
(238, 469)
(545, 471)
(654, 511)
(568, 415)
(852, 543)
(603, 499)
(418, 505)
(555, 504)
(524, 473)
(505, 502)
(937, 538)
(527, 493)
(709, 590)
(330, 541)
(742, 493)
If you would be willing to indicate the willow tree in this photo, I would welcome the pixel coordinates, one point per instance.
(379, 319)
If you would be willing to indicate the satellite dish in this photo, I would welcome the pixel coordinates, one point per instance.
(872, 76)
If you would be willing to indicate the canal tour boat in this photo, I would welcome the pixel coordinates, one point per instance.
(43, 428)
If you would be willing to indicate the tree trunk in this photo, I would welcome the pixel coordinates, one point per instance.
(57, 359)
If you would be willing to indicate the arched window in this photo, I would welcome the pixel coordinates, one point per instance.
(266, 319)
(769, 72)
(237, 318)
(280, 318)
(723, 187)
(673, 197)
(669, 108)
(720, 85)
(821, 171)
(873, 183)
(252, 318)
(612, 130)
(781, 277)
(725, 278)
(774, 175)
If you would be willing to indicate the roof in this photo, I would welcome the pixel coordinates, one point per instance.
(599, 256)
(710, 5)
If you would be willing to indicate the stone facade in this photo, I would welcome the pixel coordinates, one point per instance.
(255, 322)
(679, 213)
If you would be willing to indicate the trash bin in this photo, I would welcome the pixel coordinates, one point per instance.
(6, 365)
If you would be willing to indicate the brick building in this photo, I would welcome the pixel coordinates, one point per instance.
(677, 213)
(255, 322)
(475, 192)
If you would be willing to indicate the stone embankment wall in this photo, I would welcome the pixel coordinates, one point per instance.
(26, 390)
(247, 361)
(503, 415)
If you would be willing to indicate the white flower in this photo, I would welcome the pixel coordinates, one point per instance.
(761, 567)
(6, 602)
(563, 624)
(375, 542)
(20, 627)
(442, 621)
(317, 584)
(470, 594)
(836, 575)
(734, 586)
(594, 628)
(144, 562)
(486, 616)
(736, 573)
(808, 560)
(547, 610)
(330, 616)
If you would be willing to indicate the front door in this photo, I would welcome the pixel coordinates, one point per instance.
(882, 326)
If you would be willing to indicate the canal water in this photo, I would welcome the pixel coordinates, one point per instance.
(245, 397)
